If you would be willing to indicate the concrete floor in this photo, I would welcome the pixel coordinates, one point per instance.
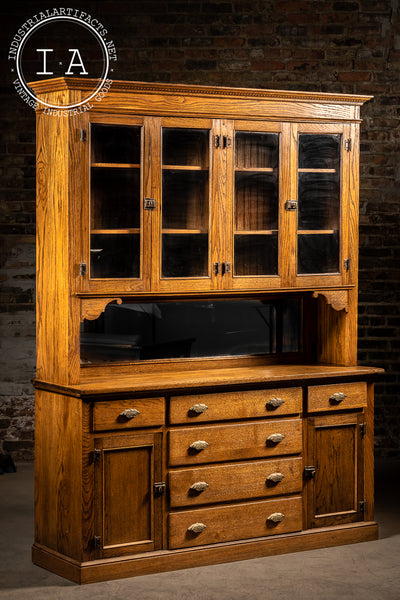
(368, 571)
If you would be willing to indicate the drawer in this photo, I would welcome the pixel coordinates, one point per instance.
(337, 396)
(234, 522)
(128, 414)
(222, 443)
(235, 405)
(233, 482)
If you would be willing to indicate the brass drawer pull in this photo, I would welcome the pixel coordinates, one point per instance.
(275, 477)
(199, 486)
(337, 398)
(197, 528)
(275, 438)
(130, 413)
(276, 517)
(197, 409)
(198, 445)
(274, 403)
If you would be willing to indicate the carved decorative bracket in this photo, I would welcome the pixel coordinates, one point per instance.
(91, 308)
(338, 299)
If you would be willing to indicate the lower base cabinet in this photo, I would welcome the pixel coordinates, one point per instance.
(181, 481)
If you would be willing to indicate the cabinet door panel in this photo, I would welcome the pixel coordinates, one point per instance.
(322, 197)
(116, 240)
(128, 517)
(335, 450)
(189, 179)
(254, 191)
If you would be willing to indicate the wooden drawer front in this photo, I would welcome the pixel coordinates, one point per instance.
(222, 443)
(235, 522)
(235, 405)
(145, 412)
(239, 481)
(337, 397)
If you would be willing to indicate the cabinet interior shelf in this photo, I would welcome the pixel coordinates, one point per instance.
(255, 169)
(116, 165)
(317, 171)
(256, 232)
(316, 231)
(115, 231)
(185, 231)
(185, 168)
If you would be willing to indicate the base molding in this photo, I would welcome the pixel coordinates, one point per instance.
(172, 560)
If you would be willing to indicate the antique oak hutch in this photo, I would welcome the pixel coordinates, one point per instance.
(198, 398)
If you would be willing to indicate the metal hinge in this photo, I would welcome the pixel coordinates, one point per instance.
(82, 269)
(159, 488)
(216, 267)
(363, 429)
(346, 264)
(226, 267)
(218, 141)
(149, 203)
(309, 472)
(227, 141)
(97, 542)
(362, 505)
(291, 205)
(96, 455)
(83, 135)
(347, 145)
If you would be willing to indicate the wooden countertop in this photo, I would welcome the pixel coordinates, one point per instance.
(175, 381)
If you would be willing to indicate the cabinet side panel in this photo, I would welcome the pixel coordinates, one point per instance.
(58, 473)
(52, 248)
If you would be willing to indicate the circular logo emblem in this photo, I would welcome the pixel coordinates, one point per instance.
(62, 43)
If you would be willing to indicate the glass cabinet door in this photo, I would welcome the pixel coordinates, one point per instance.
(186, 189)
(320, 207)
(116, 200)
(256, 194)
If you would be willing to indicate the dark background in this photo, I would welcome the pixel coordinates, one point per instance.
(348, 47)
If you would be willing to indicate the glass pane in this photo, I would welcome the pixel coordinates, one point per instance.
(185, 255)
(256, 254)
(115, 143)
(114, 255)
(319, 151)
(186, 147)
(256, 150)
(319, 201)
(115, 195)
(256, 201)
(140, 331)
(185, 203)
(318, 253)
(185, 200)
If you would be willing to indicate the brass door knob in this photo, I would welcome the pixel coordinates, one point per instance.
(197, 528)
(337, 398)
(276, 517)
(274, 403)
(275, 438)
(198, 445)
(199, 486)
(129, 413)
(275, 477)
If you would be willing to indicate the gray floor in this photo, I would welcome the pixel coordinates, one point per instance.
(369, 571)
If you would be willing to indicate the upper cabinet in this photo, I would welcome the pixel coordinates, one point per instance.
(177, 204)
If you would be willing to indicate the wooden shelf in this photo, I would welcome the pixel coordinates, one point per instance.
(184, 168)
(99, 165)
(183, 231)
(317, 171)
(256, 232)
(115, 231)
(255, 169)
(316, 231)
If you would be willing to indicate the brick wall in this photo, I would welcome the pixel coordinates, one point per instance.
(350, 46)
